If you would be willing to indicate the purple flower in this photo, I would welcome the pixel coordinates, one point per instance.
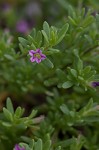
(36, 55)
(17, 147)
(22, 26)
(6, 7)
(95, 84)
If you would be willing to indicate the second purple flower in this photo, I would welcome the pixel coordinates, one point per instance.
(36, 55)
(95, 84)
(17, 147)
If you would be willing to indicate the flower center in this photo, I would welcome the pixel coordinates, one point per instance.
(37, 55)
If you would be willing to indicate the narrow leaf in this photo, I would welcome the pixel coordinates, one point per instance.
(23, 41)
(38, 145)
(62, 33)
(48, 63)
(45, 36)
(8, 114)
(10, 106)
(46, 28)
(67, 84)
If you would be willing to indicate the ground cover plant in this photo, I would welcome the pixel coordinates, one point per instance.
(49, 75)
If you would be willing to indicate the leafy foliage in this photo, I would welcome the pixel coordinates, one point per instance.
(58, 91)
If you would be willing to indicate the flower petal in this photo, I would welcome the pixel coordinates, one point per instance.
(31, 52)
(43, 56)
(38, 60)
(38, 51)
(32, 59)
(17, 147)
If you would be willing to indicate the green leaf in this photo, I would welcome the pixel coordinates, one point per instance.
(90, 75)
(88, 21)
(23, 41)
(67, 84)
(65, 143)
(45, 36)
(39, 38)
(88, 38)
(59, 148)
(90, 104)
(53, 38)
(80, 65)
(38, 145)
(86, 70)
(10, 106)
(7, 114)
(31, 144)
(33, 46)
(33, 33)
(51, 51)
(21, 47)
(6, 124)
(46, 28)
(61, 75)
(62, 33)
(73, 72)
(47, 145)
(86, 110)
(54, 50)
(64, 109)
(19, 112)
(30, 38)
(48, 63)
(33, 113)
(9, 57)
(78, 143)
(26, 139)
(72, 21)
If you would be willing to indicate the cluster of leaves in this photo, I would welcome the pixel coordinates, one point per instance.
(34, 40)
(45, 40)
(65, 60)
(14, 128)
(64, 77)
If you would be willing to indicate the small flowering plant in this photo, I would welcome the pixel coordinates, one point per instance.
(58, 87)
(36, 56)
